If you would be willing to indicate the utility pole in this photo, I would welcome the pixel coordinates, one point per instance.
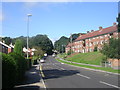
(71, 45)
(28, 15)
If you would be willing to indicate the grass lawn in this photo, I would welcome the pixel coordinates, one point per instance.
(94, 58)
(99, 68)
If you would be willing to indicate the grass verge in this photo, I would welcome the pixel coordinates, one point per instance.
(98, 68)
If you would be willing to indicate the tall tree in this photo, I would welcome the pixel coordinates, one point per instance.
(18, 47)
(7, 40)
(42, 41)
(61, 43)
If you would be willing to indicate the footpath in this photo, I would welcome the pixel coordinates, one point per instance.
(87, 65)
(33, 80)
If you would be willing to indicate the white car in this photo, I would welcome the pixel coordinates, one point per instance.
(42, 60)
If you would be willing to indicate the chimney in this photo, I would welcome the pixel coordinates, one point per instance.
(87, 31)
(114, 24)
(92, 30)
(100, 28)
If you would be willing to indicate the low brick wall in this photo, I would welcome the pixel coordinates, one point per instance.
(115, 63)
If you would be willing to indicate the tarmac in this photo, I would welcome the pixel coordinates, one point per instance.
(33, 80)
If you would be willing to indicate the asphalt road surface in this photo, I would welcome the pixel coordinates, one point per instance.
(59, 75)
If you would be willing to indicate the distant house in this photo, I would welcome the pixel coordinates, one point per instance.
(4, 48)
(87, 42)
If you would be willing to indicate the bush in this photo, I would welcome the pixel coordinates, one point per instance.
(112, 49)
(9, 69)
(70, 52)
(95, 49)
(21, 65)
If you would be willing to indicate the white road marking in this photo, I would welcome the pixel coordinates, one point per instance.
(43, 82)
(62, 68)
(84, 76)
(109, 84)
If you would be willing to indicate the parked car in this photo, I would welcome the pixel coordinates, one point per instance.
(42, 60)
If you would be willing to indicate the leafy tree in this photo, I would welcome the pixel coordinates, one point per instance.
(43, 42)
(61, 43)
(7, 40)
(70, 52)
(118, 20)
(111, 49)
(18, 47)
(39, 52)
(95, 49)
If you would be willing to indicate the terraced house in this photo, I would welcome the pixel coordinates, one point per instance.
(90, 40)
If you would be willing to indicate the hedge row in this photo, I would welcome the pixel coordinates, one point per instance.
(13, 69)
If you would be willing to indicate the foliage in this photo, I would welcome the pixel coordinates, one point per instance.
(7, 40)
(39, 40)
(9, 69)
(95, 49)
(43, 42)
(70, 52)
(18, 47)
(75, 36)
(39, 53)
(118, 20)
(13, 69)
(111, 49)
(61, 43)
(21, 64)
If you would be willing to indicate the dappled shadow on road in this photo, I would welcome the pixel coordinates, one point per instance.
(56, 73)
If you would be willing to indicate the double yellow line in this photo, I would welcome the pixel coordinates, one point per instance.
(41, 71)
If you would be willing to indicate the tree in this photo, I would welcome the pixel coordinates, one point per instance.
(39, 52)
(111, 49)
(118, 20)
(61, 43)
(43, 42)
(18, 47)
(7, 40)
(95, 49)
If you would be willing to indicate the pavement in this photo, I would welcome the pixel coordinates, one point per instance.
(55, 75)
(33, 80)
(59, 75)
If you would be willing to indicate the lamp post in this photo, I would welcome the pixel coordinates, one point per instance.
(28, 15)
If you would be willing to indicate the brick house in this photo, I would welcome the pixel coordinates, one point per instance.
(4, 48)
(87, 42)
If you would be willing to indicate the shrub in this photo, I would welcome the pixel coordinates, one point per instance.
(9, 69)
(112, 49)
(21, 65)
(95, 49)
(69, 52)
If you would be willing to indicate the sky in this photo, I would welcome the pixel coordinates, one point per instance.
(56, 19)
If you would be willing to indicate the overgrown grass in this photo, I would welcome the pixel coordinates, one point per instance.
(99, 68)
(94, 58)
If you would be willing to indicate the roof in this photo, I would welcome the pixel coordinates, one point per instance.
(4, 44)
(98, 32)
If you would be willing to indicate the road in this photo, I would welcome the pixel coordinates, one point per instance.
(59, 75)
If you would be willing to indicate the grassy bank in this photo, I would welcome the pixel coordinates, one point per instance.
(99, 68)
(94, 58)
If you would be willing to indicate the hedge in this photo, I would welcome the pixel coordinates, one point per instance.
(9, 69)
(13, 69)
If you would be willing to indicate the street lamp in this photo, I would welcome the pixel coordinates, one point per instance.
(28, 15)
